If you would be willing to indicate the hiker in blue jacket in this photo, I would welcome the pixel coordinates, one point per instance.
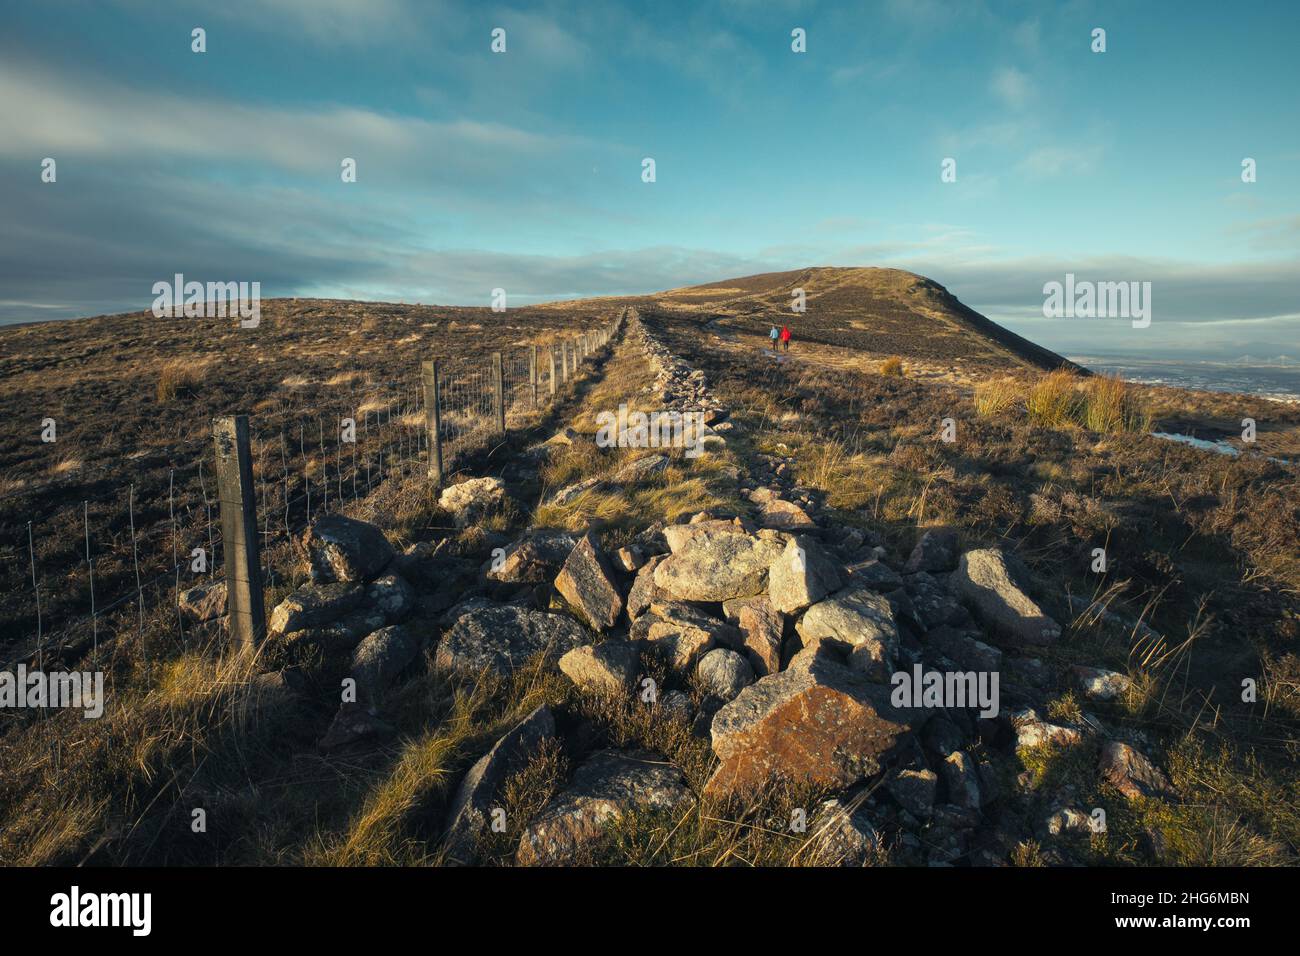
(772, 335)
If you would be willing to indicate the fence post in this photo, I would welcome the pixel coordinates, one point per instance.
(499, 389)
(532, 372)
(551, 352)
(433, 416)
(237, 496)
(564, 361)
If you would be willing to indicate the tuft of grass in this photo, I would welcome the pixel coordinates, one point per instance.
(892, 367)
(1054, 400)
(177, 378)
(1110, 405)
(995, 396)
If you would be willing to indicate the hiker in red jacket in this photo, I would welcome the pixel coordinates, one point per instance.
(785, 337)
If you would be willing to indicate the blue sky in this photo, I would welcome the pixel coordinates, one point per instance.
(522, 170)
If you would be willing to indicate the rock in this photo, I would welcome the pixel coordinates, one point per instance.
(718, 567)
(863, 622)
(608, 668)
(933, 605)
(962, 780)
(469, 500)
(819, 723)
(837, 837)
(964, 649)
(640, 469)
(985, 579)
(587, 584)
(379, 659)
(875, 574)
(1131, 773)
(784, 516)
(343, 549)
(802, 575)
(761, 628)
(504, 637)
(204, 602)
(644, 592)
(630, 558)
(343, 634)
(1033, 731)
(353, 726)
(676, 705)
(568, 493)
(679, 536)
(942, 737)
(1099, 684)
(724, 673)
(392, 596)
(536, 558)
(681, 641)
(468, 815)
(604, 789)
(936, 551)
(914, 790)
(566, 436)
(1068, 820)
(312, 605)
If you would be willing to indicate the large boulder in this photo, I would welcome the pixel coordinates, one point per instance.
(504, 637)
(719, 566)
(986, 580)
(863, 622)
(586, 582)
(536, 558)
(607, 786)
(802, 575)
(344, 549)
(379, 659)
(469, 500)
(467, 817)
(608, 668)
(817, 723)
(312, 605)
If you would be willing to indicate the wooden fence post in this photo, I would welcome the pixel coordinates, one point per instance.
(551, 352)
(499, 389)
(243, 554)
(433, 417)
(532, 372)
(564, 361)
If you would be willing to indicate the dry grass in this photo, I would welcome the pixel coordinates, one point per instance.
(1053, 400)
(177, 378)
(893, 367)
(997, 395)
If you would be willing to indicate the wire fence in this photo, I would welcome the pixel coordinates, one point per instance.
(93, 569)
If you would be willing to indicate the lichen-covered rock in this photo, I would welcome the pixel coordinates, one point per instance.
(802, 575)
(761, 627)
(838, 837)
(536, 558)
(1131, 773)
(606, 787)
(1099, 684)
(718, 566)
(587, 583)
(936, 551)
(391, 596)
(344, 549)
(724, 673)
(643, 592)
(914, 790)
(379, 659)
(863, 622)
(203, 602)
(504, 637)
(469, 500)
(312, 605)
(818, 723)
(608, 668)
(986, 580)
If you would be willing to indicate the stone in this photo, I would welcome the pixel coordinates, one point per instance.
(838, 836)
(678, 536)
(1131, 773)
(587, 583)
(962, 780)
(677, 705)
(936, 551)
(570, 492)
(353, 726)
(392, 596)
(312, 605)
(933, 605)
(379, 659)
(1033, 731)
(819, 723)
(640, 469)
(717, 567)
(644, 592)
(964, 649)
(914, 790)
(344, 549)
(203, 602)
(343, 634)
(802, 575)
(985, 579)
(536, 558)
(630, 558)
(784, 516)
(874, 574)
(608, 668)
(468, 813)
(862, 621)
(504, 637)
(470, 500)
(724, 673)
(761, 627)
(608, 785)
(1099, 684)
